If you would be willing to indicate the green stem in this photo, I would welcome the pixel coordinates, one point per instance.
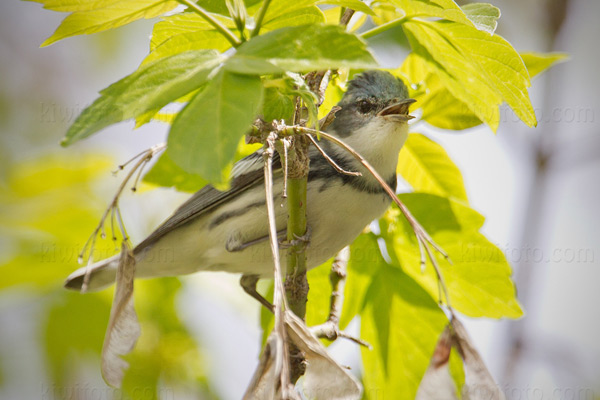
(382, 28)
(259, 17)
(235, 42)
(296, 284)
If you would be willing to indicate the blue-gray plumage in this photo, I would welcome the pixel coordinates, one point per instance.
(227, 231)
(367, 94)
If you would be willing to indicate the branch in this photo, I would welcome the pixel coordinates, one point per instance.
(345, 18)
(235, 42)
(330, 329)
(279, 293)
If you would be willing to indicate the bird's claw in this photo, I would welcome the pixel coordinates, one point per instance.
(300, 242)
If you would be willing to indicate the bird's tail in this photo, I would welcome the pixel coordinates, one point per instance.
(102, 275)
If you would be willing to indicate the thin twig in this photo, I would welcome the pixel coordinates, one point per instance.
(286, 146)
(330, 160)
(235, 42)
(113, 209)
(121, 167)
(259, 17)
(441, 282)
(346, 17)
(139, 174)
(279, 299)
(330, 329)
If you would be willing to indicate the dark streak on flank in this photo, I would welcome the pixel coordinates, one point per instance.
(231, 214)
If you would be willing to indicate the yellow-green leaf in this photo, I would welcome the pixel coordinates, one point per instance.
(150, 88)
(189, 41)
(478, 279)
(537, 63)
(183, 23)
(445, 9)
(426, 166)
(303, 16)
(301, 49)
(74, 5)
(109, 15)
(402, 322)
(478, 69)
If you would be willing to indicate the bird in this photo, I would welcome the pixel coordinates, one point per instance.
(228, 230)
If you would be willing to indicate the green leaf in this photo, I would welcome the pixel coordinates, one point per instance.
(438, 106)
(189, 41)
(168, 174)
(442, 110)
(445, 9)
(537, 63)
(220, 7)
(483, 15)
(149, 88)
(301, 49)
(267, 320)
(184, 23)
(105, 15)
(478, 69)
(277, 105)
(402, 323)
(426, 166)
(478, 279)
(277, 8)
(205, 134)
(73, 5)
(319, 295)
(365, 261)
(303, 16)
(297, 86)
(356, 5)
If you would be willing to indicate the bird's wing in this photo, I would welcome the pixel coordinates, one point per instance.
(246, 173)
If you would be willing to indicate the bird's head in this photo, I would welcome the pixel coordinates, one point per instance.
(374, 118)
(372, 96)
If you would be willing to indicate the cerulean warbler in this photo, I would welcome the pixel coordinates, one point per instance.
(228, 231)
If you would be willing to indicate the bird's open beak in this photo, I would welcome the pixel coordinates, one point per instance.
(398, 111)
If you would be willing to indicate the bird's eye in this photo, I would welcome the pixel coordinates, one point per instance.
(365, 106)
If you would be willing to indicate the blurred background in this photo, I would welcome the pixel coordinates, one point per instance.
(538, 188)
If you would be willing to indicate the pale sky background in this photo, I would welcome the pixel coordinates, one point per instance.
(556, 255)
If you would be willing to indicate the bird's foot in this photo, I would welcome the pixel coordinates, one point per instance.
(299, 242)
(248, 283)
